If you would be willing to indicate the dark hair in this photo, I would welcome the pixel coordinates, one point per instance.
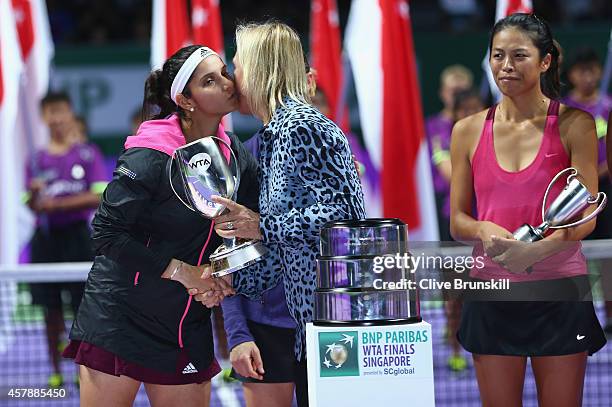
(582, 56)
(466, 94)
(137, 115)
(538, 30)
(55, 97)
(157, 103)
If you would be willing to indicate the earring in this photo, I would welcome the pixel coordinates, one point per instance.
(191, 109)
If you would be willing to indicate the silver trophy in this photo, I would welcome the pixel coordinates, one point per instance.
(204, 172)
(346, 290)
(570, 203)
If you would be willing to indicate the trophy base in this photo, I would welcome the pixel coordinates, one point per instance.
(528, 233)
(228, 260)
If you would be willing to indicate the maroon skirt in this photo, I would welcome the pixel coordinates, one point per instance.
(104, 361)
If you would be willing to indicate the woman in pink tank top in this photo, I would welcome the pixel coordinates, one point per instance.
(506, 165)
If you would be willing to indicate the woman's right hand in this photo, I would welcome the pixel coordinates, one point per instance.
(246, 360)
(488, 229)
(197, 279)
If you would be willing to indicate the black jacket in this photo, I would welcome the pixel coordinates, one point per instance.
(127, 308)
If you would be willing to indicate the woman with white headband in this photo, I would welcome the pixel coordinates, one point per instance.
(136, 323)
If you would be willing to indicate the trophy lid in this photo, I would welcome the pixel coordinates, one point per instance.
(369, 222)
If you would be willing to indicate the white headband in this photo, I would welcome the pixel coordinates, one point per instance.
(183, 75)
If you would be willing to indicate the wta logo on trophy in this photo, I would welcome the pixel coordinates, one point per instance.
(338, 354)
(200, 163)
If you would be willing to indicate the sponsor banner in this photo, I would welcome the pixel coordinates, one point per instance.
(106, 96)
(350, 365)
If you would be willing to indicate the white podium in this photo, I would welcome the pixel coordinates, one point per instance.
(370, 365)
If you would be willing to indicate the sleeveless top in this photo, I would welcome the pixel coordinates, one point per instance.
(510, 199)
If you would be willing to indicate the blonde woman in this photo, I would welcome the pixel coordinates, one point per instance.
(307, 175)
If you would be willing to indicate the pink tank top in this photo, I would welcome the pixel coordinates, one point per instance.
(510, 199)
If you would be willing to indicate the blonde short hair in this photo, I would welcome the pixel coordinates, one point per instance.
(272, 62)
(457, 72)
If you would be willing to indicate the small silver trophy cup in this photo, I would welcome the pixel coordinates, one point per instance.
(204, 172)
(571, 202)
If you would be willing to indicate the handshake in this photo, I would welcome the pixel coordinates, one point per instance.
(199, 282)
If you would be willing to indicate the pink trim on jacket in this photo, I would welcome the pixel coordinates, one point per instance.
(166, 135)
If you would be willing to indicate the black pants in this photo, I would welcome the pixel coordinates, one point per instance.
(68, 243)
(301, 383)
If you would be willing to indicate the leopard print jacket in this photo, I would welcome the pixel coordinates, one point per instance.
(307, 178)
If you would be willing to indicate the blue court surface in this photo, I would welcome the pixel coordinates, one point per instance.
(26, 366)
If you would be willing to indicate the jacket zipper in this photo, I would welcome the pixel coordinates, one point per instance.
(180, 327)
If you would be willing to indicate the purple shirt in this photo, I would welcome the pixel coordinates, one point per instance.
(438, 130)
(270, 310)
(72, 173)
(599, 110)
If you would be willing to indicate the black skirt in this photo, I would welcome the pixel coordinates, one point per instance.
(276, 348)
(531, 328)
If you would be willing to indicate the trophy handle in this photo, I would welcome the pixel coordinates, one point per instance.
(235, 160)
(555, 178)
(602, 205)
(172, 185)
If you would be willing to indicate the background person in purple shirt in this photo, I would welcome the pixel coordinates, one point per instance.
(453, 79)
(438, 129)
(584, 73)
(64, 181)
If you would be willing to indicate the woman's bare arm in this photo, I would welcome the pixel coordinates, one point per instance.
(465, 137)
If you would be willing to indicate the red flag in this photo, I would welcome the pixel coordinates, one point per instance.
(177, 26)
(325, 56)
(508, 7)
(25, 28)
(403, 126)
(170, 30)
(379, 43)
(206, 25)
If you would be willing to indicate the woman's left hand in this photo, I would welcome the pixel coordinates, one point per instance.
(240, 221)
(512, 254)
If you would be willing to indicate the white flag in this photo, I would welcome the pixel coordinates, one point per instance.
(36, 46)
(10, 71)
